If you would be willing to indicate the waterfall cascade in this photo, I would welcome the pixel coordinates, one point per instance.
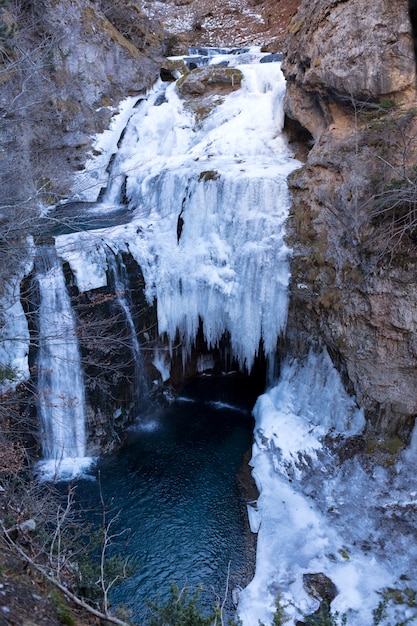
(208, 201)
(60, 394)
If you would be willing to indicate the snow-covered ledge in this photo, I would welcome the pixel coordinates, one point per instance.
(317, 512)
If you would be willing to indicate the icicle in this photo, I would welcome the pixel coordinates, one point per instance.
(209, 203)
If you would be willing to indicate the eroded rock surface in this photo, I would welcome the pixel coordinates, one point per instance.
(350, 73)
(340, 51)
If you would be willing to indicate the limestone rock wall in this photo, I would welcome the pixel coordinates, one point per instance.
(350, 75)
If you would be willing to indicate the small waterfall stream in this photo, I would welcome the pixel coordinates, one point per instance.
(120, 280)
(60, 379)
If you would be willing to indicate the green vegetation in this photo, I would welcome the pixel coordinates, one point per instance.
(390, 445)
(65, 615)
(97, 572)
(383, 106)
(387, 104)
(181, 609)
(85, 558)
(7, 373)
(405, 598)
(374, 111)
(344, 554)
(8, 27)
(280, 618)
(322, 617)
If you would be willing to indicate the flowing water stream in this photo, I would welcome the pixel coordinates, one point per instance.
(59, 372)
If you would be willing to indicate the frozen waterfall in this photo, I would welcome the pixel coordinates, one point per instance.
(201, 206)
(208, 201)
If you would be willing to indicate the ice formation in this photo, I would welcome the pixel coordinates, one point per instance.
(316, 514)
(60, 396)
(208, 204)
(225, 181)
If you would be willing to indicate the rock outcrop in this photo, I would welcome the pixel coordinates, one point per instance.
(339, 50)
(351, 99)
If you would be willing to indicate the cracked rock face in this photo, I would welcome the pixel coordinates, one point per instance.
(350, 73)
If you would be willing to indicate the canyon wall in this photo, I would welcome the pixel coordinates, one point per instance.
(350, 103)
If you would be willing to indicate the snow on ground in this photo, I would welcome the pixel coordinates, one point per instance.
(352, 522)
(227, 23)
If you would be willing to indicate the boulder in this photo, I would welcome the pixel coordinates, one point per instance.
(203, 79)
(320, 587)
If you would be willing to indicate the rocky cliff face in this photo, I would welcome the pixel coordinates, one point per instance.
(351, 99)
(64, 68)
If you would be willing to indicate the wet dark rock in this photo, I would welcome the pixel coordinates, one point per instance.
(320, 587)
(161, 99)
